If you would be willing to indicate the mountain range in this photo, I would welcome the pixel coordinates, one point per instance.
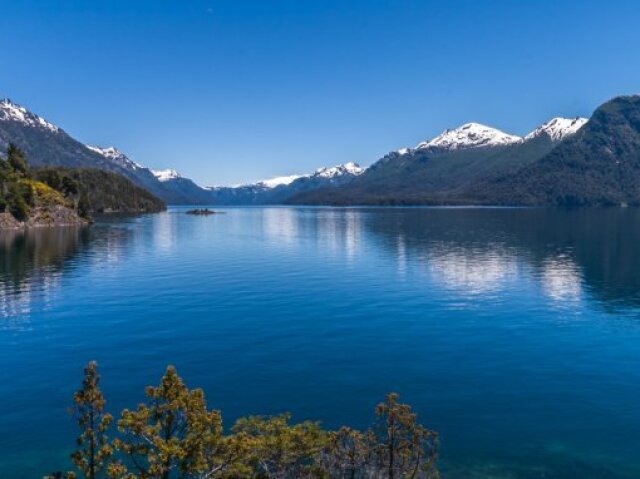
(444, 169)
(46, 144)
(561, 162)
(564, 162)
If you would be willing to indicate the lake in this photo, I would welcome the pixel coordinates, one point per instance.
(515, 333)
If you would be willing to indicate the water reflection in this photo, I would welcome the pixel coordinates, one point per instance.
(562, 279)
(367, 300)
(31, 263)
(472, 271)
(482, 250)
(469, 252)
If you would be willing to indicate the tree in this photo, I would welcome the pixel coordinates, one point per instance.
(350, 454)
(406, 449)
(17, 160)
(18, 200)
(278, 450)
(172, 436)
(94, 449)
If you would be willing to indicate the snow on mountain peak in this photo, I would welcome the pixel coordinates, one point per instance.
(350, 168)
(116, 156)
(279, 181)
(10, 111)
(166, 175)
(558, 128)
(469, 135)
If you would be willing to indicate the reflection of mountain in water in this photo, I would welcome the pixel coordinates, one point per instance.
(478, 249)
(32, 262)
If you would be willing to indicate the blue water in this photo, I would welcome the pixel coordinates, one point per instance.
(514, 333)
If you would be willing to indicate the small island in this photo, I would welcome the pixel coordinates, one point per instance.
(203, 212)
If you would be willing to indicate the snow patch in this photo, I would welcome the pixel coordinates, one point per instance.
(350, 168)
(558, 128)
(279, 181)
(10, 111)
(469, 135)
(166, 175)
(116, 156)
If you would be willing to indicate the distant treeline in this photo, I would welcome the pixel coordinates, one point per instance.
(175, 435)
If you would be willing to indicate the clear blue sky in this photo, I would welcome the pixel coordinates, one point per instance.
(233, 90)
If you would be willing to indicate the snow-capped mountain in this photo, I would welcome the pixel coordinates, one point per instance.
(277, 181)
(166, 175)
(438, 169)
(558, 128)
(476, 135)
(46, 144)
(327, 172)
(10, 111)
(469, 135)
(116, 156)
(350, 168)
(279, 189)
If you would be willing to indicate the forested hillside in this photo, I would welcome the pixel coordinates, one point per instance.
(63, 196)
(598, 166)
(100, 191)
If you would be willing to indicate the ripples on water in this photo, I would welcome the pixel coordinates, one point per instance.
(513, 332)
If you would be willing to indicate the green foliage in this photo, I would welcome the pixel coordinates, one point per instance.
(94, 448)
(98, 191)
(350, 454)
(405, 449)
(17, 160)
(175, 435)
(19, 199)
(280, 450)
(16, 195)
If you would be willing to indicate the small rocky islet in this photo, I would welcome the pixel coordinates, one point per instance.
(203, 212)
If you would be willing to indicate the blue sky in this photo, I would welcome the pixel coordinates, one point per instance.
(228, 91)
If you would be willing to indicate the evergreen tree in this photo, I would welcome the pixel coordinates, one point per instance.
(406, 449)
(350, 454)
(278, 450)
(94, 449)
(172, 436)
(17, 160)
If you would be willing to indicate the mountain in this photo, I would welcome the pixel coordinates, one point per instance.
(46, 144)
(181, 190)
(468, 136)
(599, 165)
(279, 190)
(441, 170)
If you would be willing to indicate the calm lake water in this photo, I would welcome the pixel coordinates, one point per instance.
(514, 333)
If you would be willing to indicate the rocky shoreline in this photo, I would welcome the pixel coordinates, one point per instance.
(43, 218)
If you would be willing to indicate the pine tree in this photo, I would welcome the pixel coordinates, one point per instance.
(406, 449)
(17, 160)
(172, 436)
(279, 450)
(94, 449)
